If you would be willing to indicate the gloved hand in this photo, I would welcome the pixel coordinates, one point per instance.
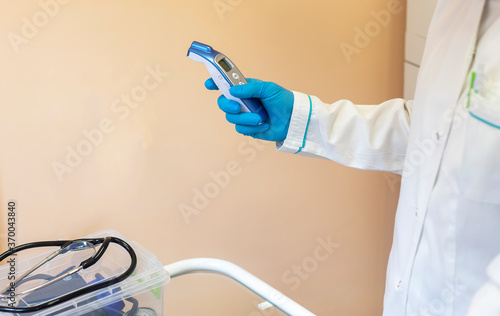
(277, 101)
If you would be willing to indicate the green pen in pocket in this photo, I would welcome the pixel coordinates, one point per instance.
(471, 88)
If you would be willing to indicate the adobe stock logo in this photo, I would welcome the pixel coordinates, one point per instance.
(203, 195)
(221, 7)
(30, 28)
(299, 273)
(363, 36)
(90, 139)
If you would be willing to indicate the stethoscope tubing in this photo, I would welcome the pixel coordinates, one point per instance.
(85, 264)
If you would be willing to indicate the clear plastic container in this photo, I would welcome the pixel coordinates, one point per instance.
(142, 291)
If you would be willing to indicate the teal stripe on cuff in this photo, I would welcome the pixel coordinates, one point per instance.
(307, 126)
(484, 121)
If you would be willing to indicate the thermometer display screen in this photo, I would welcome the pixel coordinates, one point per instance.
(224, 64)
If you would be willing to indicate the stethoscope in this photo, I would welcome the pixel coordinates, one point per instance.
(65, 246)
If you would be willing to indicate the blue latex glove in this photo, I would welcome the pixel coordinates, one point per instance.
(277, 101)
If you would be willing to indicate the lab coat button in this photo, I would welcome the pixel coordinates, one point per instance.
(398, 285)
(438, 136)
(416, 212)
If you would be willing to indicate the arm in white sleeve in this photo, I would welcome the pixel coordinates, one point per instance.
(370, 137)
(486, 302)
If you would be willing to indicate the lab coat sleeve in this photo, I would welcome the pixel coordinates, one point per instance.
(486, 301)
(370, 137)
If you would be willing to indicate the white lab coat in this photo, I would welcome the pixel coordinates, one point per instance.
(447, 228)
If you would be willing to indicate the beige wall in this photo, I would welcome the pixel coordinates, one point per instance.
(60, 80)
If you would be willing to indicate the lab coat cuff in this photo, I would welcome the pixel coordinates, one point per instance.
(299, 124)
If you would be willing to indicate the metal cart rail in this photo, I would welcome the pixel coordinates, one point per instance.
(222, 267)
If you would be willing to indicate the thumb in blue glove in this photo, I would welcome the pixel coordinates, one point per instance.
(277, 101)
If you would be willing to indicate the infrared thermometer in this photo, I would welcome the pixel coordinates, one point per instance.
(225, 75)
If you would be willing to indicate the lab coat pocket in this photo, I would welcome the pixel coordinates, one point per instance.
(480, 170)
